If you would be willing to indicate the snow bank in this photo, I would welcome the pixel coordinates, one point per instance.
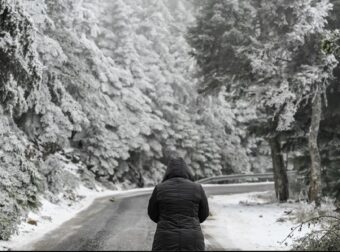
(249, 222)
(51, 216)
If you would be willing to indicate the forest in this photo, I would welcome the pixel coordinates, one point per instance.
(113, 86)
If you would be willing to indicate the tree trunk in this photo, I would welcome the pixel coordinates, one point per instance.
(280, 173)
(314, 193)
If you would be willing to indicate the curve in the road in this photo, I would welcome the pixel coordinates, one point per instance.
(121, 224)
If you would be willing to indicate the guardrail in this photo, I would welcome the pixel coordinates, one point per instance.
(232, 177)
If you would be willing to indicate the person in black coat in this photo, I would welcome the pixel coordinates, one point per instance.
(178, 206)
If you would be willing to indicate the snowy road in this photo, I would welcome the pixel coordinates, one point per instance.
(122, 223)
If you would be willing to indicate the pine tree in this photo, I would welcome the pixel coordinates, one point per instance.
(264, 51)
(20, 75)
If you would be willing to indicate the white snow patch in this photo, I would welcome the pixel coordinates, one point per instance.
(51, 216)
(246, 222)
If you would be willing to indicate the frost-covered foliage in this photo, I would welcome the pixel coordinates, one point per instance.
(107, 78)
(137, 95)
(19, 76)
(20, 71)
(325, 238)
(20, 179)
(276, 45)
(109, 86)
(269, 54)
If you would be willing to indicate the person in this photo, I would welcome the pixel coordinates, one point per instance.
(178, 205)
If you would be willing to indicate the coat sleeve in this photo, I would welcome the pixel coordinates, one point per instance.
(153, 211)
(203, 211)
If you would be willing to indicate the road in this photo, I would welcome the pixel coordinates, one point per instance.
(121, 223)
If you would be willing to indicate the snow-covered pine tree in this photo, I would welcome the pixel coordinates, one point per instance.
(116, 90)
(20, 76)
(264, 50)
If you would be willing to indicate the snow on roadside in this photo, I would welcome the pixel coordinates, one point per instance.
(249, 221)
(51, 216)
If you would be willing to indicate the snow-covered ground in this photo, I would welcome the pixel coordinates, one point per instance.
(50, 216)
(248, 221)
(251, 221)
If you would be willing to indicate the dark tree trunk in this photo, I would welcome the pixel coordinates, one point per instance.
(280, 173)
(314, 193)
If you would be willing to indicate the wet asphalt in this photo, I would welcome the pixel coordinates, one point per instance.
(121, 223)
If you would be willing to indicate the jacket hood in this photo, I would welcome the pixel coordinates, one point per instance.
(178, 168)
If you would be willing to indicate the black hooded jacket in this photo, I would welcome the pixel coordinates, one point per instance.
(178, 206)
